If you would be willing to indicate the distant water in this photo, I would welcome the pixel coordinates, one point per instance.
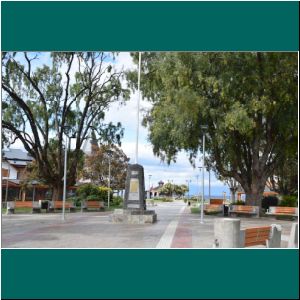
(206, 197)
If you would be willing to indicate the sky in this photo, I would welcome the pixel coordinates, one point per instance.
(154, 169)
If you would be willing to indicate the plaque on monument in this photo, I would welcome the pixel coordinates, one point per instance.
(135, 188)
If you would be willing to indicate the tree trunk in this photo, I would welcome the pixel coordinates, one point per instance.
(255, 194)
(57, 192)
(232, 193)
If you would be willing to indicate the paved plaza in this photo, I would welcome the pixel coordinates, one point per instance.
(176, 227)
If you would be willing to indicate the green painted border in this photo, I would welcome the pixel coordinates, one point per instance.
(214, 26)
(167, 274)
(123, 26)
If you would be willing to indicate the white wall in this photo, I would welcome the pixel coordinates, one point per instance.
(12, 170)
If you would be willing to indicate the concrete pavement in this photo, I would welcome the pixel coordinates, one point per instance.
(176, 228)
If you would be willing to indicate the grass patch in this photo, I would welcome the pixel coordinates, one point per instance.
(20, 210)
(195, 210)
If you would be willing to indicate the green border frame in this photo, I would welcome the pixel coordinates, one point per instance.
(152, 26)
(160, 26)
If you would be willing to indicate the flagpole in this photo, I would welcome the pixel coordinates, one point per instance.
(138, 111)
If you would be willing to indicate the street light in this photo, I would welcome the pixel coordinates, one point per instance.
(204, 128)
(68, 139)
(197, 178)
(33, 183)
(172, 189)
(7, 178)
(188, 184)
(209, 184)
(200, 168)
(109, 153)
(149, 184)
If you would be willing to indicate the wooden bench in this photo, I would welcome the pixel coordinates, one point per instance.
(58, 204)
(283, 211)
(257, 236)
(269, 236)
(244, 210)
(216, 201)
(90, 204)
(12, 205)
(213, 209)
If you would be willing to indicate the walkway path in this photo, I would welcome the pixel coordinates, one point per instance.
(176, 228)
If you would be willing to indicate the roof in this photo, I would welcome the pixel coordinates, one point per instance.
(16, 155)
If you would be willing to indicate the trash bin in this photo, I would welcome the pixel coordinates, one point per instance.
(44, 204)
(226, 208)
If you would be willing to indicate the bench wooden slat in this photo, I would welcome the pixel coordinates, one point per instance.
(59, 204)
(255, 244)
(19, 204)
(216, 201)
(257, 235)
(255, 229)
(284, 210)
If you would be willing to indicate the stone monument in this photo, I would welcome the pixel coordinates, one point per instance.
(134, 209)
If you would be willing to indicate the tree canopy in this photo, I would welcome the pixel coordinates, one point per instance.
(248, 100)
(69, 94)
(97, 164)
(170, 189)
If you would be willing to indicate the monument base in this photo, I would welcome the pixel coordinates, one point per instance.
(130, 216)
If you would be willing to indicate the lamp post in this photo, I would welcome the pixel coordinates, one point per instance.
(68, 140)
(188, 184)
(7, 178)
(65, 178)
(109, 153)
(209, 184)
(34, 183)
(197, 178)
(172, 189)
(149, 184)
(204, 128)
(200, 193)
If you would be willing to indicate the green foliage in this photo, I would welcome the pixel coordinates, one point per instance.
(173, 189)
(238, 202)
(87, 189)
(248, 100)
(42, 103)
(91, 191)
(163, 199)
(195, 210)
(75, 200)
(94, 197)
(289, 201)
(103, 193)
(166, 199)
(97, 166)
(117, 200)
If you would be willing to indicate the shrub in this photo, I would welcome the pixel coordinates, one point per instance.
(238, 202)
(87, 189)
(91, 191)
(103, 193)
(166, 199)
(268, 201)
(75, 200)
(93, 197)
(289, 200)
(117, 200)
(195, 210)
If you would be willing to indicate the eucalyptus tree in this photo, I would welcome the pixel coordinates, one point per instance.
(68, 94)
(248, 101)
